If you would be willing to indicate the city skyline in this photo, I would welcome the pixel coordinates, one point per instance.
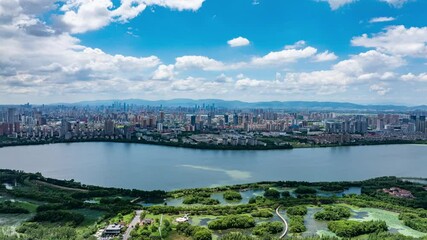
(367, 52)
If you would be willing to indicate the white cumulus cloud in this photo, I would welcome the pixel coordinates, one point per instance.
(325, 56)
(397, 40)
(79, 16)
(238, 42)
(164, 72)
(422, 77)
(284, 56)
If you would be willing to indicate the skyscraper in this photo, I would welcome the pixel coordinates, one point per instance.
(162, 117)
(235, 119)
(65, 127)
(11, 115)
(209, 119)
(109, 127)
(420, 124)
(193, 120)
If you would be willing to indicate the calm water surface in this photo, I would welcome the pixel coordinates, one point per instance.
(158, 167)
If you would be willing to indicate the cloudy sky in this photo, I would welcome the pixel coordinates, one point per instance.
(362, 51)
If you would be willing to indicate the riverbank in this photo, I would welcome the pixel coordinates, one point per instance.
(168, 144)
(213, 147)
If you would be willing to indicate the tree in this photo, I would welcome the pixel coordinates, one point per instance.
(272, 194)
(232, 196)
(202, 234)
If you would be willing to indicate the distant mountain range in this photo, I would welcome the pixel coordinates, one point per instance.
(292, 105)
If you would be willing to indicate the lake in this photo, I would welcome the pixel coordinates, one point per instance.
(151, 167)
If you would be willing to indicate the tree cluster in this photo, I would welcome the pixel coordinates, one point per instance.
(232, 196)
(349, 229)
(414, 221)
(332, 213)
(267, 228)
(196, 232)
(232, 221)
(263, 213)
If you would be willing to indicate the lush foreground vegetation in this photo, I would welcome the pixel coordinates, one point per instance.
(35, 207)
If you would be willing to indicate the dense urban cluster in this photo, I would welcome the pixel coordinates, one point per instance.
(206, 125)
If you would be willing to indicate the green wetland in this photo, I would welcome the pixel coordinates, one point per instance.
(36, 207)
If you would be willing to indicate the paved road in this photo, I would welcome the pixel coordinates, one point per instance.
(285, 228)
(132, 225)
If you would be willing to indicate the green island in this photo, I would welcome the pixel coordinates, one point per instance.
(36, 207)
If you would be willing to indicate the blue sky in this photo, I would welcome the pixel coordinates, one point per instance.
(363, 51)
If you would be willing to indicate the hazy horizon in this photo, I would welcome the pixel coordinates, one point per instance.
(364, 52)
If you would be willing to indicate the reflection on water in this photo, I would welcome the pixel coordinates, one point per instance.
(314, 227)
(359, 214)
(204, 221)
(351, 190)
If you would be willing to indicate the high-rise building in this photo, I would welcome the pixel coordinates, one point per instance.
(162, 117)
(109, 127)
(235, 119)
(65, 127)
(160, 127)
(380, 124)
(11, 115)
(209, 119)
(361, 126)
(193, 120)
(420, 124)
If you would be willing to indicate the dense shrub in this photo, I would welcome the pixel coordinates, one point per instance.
(196, 232)
(232, 221)
(272, 194)
(296, 224)
(305, 190)
(200, 200)
(263, 213)
(41, 232)
(348, 229)
(232, 196)
(205, 210)
(297, 210)
(59, 216)
(414, 221)
(267, 228)
(286, 194)
(330, 213)
(12, 208)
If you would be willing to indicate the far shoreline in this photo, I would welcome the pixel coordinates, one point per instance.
(217, 147)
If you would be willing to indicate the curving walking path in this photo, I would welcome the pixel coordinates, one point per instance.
(285, 228)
